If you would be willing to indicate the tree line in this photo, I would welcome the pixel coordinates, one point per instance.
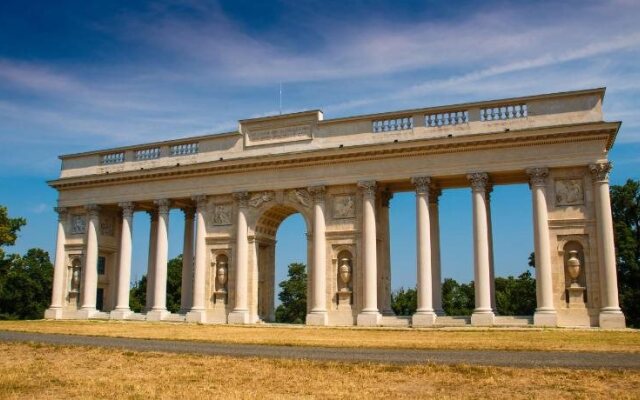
(26, 280)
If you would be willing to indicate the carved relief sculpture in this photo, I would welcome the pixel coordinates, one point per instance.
(301, 196)
(344, 207)
(221, 214)
(257, 199)
(106, 226)
(569, 192)
(78, 224)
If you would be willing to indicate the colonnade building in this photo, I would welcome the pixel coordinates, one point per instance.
(236, 188)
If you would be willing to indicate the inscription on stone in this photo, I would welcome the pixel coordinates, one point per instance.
(569, 192)
(277, 135)
(344, 207)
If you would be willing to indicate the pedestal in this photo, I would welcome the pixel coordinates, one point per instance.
(220, 297)
(612, 320)
(317, 319)
(545, 318)
(239, 317)
(421, 320)
(482, 319)
(198, 316)
(369, 319)
(120, 314)
(53, 313)
(576, 296)
(344, 299)
(157, 315)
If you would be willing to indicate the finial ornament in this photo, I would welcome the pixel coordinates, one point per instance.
(537, 176)
(600, 171)
(242, 198)
(421, 183)
(127, 209)
(368, 188)
(317, 192)
(478, 180)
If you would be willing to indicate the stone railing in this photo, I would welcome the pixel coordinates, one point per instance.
(183, 149)
(446, 118)
(113, 158)
(394, 124)
(505, 112)
(147, 154)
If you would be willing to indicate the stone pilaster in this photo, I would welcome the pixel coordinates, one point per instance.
(240, 313)
(318, 314)
(57, 294)
(369, 316)
(610, 314)
(545, 311)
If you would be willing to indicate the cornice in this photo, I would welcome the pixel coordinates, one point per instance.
(461, 143)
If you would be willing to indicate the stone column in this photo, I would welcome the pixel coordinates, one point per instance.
(318, 314)
(424, 316)
(151, 259)
(384, 257)
(90, 272)
(159, 306)
(122, 310)
(434, 219)
(57, 293)
(482, 314)
(240, 313)
(198, 310)
(610, 314)
(545, 311)
(369, 316)
(492, 271)
(186, 298)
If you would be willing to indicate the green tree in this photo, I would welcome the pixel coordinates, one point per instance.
(9, 228)
(516, 296)
(293, 297)
(25, 287)
(138, 293)
(625, 206)
(458, 298)
(404, 302)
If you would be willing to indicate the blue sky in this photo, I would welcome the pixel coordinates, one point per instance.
(77, 76)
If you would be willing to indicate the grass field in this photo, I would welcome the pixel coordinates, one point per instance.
(57, 372)
(476, 339)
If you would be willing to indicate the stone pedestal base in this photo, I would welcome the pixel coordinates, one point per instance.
(427, 319)
(86, 313)
(157, 315)
(317, 319)
(199, 316)
(53, 313)
(545, 318)
(369, 319)
(239, 317)
(483, 318)
(120, 314)
(576, 296)
(612, 320)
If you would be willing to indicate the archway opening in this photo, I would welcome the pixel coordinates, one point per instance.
(282, 252)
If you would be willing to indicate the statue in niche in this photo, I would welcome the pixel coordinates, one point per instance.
(78, 224)
(258, 199)
(344, 207)
(569, 192)
(221, 214)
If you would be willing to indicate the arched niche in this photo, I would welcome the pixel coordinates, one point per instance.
(219, 277)
(571, 250)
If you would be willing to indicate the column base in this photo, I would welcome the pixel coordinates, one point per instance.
(545, 318)
(120, 314)
(198, 316)
(157, 315)
(483, 318)
(86, 313)
(423, 319)
(369, 318)
(317, 318)
(53, 313)
(239, 317)
(612, 320)
(440, 312)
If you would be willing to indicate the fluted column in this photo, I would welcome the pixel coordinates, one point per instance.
(57, 293)
(90, 273)
(151, 259)
(318, 315)
(610, 314)
(124, 265)
(197, 313)
(369, 316)
(492, 271)
(186, 293)
(240, 313)
(482, 314)
(436, 273)
(159, 307)
(545, 311)
(424, 316)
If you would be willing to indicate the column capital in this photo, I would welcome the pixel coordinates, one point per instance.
(62, 212)
(92, 209)
(537, 176)
(368, 188)
(386, 197)
(434, 194)
(317, 192)
(479, 181)
(163, 205)
(201, 201)
(422, 184)
(600, 171)
(242, 198)
(127, 209)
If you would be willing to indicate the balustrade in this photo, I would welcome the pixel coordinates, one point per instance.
(394, 124)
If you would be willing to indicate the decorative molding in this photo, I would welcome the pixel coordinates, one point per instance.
(127, 209)
(569, 192)
(344, 206)
(317, 192)
(221, 214)
(537, 176)
(421, 183)
(478, 180)
(242, 198)
(257, 199)
(600, 171)
(368, 188)
(301, 196)
(163, 205)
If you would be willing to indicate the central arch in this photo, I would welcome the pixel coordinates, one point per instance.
(266, 228)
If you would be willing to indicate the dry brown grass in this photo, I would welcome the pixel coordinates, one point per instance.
(500, 339)
(61, 372)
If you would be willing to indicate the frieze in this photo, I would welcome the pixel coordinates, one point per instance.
(344, 206)
(569, 192)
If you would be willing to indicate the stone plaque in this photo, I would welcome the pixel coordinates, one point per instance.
(78, 224)
(221, 214)
(344, 206)
(106, 226)
(569, 192)
(278, 135)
